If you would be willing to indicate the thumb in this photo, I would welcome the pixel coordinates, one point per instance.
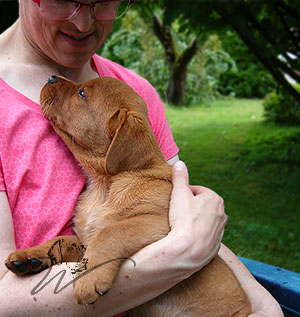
(181, 194)
(180, 176)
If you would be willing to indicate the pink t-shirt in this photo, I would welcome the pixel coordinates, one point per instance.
(38, 172)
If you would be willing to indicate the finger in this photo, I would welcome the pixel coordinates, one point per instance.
(180, 176)
(200, 190)
(181, 193)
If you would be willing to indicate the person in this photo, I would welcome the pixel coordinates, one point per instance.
(40, 180)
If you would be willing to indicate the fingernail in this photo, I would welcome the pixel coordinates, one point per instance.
(179, 166)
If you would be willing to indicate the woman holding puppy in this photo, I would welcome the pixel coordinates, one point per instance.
(40, 181)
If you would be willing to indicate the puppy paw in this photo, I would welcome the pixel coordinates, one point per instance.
(91, 284)
(22, 262)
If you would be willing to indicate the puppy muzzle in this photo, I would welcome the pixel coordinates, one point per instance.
(52, 80)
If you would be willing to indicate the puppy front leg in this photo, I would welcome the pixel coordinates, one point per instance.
(54, 251)
(110, 248)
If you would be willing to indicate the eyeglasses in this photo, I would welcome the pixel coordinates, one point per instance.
(67, 9)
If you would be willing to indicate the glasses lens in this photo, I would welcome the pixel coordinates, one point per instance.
(58, 9)
(110, 10)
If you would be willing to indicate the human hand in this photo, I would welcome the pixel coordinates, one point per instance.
(197, 220)
(263, 304)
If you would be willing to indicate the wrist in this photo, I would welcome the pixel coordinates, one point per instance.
(183, 254)
(166, 259)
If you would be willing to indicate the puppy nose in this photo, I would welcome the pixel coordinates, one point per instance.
(52, 79)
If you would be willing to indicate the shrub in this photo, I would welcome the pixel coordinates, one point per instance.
(251, 79)
(282, 149)
(247, 83)
(280, 107)
(205, 70)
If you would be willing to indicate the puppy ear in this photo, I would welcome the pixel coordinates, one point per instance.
(131, 147)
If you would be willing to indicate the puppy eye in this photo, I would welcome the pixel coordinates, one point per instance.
(81, 93)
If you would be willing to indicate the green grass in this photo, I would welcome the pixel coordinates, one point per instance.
(256, 169)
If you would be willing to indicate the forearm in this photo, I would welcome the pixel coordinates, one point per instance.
(262, 302)
(154, 273)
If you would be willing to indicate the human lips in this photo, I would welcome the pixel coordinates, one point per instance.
(78, 40)
(78, 37)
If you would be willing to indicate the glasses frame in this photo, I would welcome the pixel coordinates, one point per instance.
(90, 5)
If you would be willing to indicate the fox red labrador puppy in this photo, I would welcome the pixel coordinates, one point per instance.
(125, 205)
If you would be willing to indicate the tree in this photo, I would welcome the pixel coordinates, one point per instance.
(177, 58)
(133, 45)
(269, 28)
(279, 50)
(178, 61)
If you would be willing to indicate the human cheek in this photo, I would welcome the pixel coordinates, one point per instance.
(103, 29)
(48, 35)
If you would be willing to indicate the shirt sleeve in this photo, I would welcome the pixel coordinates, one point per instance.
(160, 125)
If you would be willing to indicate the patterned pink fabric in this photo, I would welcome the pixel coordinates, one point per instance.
(39, 174)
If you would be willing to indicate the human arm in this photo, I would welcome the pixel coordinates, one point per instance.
(158, 266)
(262, 302)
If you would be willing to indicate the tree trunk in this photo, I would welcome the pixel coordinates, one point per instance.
(177, 61)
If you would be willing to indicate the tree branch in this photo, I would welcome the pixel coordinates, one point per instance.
(288, 31)
(267, 61)
(165, 37)
(290, 71)
(292, 13)
(186, 56)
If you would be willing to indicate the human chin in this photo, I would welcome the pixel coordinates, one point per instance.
(72, 60)
(70, 50)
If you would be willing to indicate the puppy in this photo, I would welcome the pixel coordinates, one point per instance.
(125, 205)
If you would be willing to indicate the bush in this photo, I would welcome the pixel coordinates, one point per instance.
(282, 149)
(247, 83)
(280, 107)
(251, 79)
(205, 70)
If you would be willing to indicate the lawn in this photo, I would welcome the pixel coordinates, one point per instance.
(254, 166)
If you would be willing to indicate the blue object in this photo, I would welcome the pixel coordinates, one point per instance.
(284, 285)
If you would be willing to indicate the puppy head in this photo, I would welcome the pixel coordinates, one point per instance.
(103, 122)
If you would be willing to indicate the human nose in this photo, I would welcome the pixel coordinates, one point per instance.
(83, 19)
